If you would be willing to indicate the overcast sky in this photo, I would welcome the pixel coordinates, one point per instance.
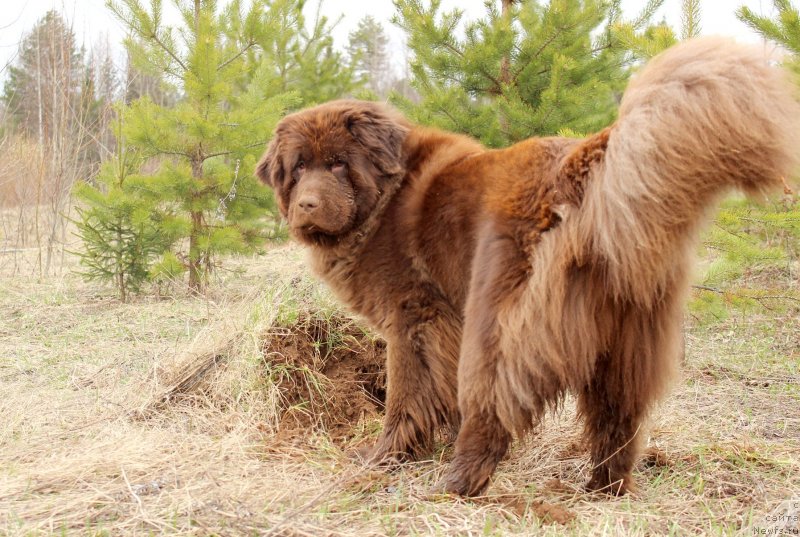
(91, 20)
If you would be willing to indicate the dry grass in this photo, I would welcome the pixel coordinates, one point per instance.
(86, 447)
(36, 202)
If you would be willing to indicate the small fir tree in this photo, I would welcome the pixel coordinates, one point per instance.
(528, 68)
(120, 237)
(208, 142)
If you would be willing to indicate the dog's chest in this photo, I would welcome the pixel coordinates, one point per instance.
(366, 288)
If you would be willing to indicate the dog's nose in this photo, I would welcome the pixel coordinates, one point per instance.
(308, 203)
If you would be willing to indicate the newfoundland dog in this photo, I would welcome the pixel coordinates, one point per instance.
(503, 279)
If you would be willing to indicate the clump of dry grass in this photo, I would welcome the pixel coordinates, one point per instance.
(160, 417)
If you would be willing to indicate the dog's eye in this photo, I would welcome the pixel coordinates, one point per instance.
(300, 167)
(338, 164)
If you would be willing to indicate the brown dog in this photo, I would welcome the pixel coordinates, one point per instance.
(503, 279)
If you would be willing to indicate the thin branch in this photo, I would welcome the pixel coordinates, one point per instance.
(217, 154)
(706, 288)
(235, 56)
(560, 30)
(154, 35)
(751, 297)
(482, 70)
(160, 151)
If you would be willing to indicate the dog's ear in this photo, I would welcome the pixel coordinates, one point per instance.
(381, 132)
(270, 168)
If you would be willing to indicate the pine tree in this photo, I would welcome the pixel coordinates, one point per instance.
(369, 56)
(528, 68)
(302, 55)
(207, 143)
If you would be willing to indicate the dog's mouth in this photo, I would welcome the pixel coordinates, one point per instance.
(326, 228)
(322, 228)
(309, 229)
(321, 233)
(316, 236)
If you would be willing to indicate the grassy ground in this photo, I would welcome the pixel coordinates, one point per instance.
(162, 416)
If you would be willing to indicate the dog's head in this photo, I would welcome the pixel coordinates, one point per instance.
(329, 165)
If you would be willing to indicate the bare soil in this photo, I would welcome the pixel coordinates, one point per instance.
(330, 374)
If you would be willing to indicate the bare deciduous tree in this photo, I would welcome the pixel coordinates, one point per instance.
(55, 129)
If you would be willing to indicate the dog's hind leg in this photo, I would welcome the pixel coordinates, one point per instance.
(483, 440)
(627, 381)
(613, 417)
(489, 412)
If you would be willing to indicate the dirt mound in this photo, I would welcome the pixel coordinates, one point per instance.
(330, 373)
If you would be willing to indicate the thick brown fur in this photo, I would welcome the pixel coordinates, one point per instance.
(504, 279)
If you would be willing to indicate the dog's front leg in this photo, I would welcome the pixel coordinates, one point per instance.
(421, 366)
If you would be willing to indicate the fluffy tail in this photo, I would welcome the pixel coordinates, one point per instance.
(703, 117)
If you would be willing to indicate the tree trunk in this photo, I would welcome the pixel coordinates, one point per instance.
(195, 264)
(40, 105)
(196, 276)
(120, 264)
(505, 64)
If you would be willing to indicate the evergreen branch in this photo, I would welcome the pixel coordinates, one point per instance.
(497, 84)
(541, 49)
(319, 27)
(148, 30)
(728, 231)
(160, 151)
(235, 56)
(762, 25)
(217, 154)
(451, 118)
(767, 222)
(148, 140)
(251, 145)
(550, 111)
(168, 51)
(690, 19)
(646, 14)
(773, 297)
(707, 288)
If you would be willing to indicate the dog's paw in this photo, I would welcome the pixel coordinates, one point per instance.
(378, 455)
(611, 485)
(464, 479)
